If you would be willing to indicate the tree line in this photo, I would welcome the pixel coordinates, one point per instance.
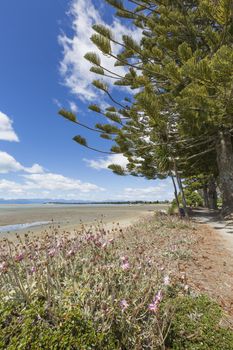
(177, 121)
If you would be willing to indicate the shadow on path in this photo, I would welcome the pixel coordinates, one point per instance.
(212, 218)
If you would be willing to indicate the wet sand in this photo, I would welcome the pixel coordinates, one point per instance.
(69, 217)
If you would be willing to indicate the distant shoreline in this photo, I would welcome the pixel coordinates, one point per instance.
(63, 202)
(70, 217)
(107, 203)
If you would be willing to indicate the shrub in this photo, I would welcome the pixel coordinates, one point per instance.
(32, 327)
(103, 290)
(196, 325)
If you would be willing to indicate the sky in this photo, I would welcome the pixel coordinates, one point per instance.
(42, 69)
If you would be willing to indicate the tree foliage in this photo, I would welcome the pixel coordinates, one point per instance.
(179, 118)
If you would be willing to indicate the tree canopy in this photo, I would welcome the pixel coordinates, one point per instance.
(177, 121)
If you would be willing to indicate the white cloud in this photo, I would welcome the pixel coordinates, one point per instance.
(35, 169)
(47, 185)
(9, 164)
(73, 107)
(74, 68)
(57, 102)
(7, 132)
(103, 163)
(57, 182)
(35, 182)
(152, 193)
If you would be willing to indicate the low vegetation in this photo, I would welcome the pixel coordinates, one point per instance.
(100, 289)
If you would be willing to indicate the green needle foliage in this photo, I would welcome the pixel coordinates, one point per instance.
(179, 120)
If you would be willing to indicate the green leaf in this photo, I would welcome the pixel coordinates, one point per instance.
(100, 85)
(116, 149)
(114, 117)
(131, 43)
(81, 140)
(117, 169)
(95, 108)
(107, 128)
(185, 52)
(68, 115)
(102, 43)
(116, 3)
(93, 58)
(106, 136)
(103, 30)
(97, 70)
(111, 109)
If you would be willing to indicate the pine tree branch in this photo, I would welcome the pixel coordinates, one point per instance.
(90, 128)
(200, 154)
(100, 151)
(126, 63)
(144, 7)
(114, 101)
(200, 143)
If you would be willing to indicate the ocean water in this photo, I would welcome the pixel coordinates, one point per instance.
(18, 217)
(23, 216)
(7, 228)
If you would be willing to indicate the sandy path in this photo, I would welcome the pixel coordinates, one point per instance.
(211, 269)
(223, 228)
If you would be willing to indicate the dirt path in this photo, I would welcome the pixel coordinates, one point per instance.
(211, 268)
(223, 228)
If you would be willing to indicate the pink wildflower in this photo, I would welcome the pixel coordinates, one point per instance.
(156, 301)
(19, 257)
(125, 266)
(124, 305)
(153, 307)
(159, 296)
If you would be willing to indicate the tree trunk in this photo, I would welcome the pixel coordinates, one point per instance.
(212, 194)
(175, 192)
(225, 167)
(180, 185)
(205, 196)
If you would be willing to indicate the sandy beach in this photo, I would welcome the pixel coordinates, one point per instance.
(69, 217)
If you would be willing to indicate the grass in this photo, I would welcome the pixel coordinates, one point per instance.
(100, 289)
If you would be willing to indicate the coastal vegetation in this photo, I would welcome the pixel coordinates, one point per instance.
(151, 285)
(175, 119)
(107, 289)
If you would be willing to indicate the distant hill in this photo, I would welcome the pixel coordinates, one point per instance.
(65, 201)
(38, 201)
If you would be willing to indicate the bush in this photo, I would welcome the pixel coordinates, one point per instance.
(196, 326)
(31, 327)
(104, 290)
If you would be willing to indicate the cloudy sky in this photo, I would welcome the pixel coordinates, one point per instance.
(42, 69)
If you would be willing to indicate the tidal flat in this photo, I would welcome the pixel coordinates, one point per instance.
(22, 217)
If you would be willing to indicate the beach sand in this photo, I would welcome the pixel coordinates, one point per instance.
(70, 217)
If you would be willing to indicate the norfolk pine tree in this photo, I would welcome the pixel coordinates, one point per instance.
(183, 68)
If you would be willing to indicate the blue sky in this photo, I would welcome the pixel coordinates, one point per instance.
(42, 68)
